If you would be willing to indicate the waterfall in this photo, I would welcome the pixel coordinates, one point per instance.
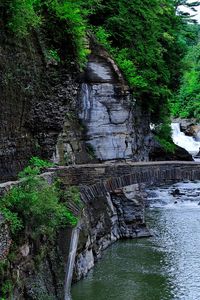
(85, 102)
(70, 261)
(184, 141)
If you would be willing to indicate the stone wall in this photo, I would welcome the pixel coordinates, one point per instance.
(38, 104)
(104, 177)
(114, 197)
(106, 219)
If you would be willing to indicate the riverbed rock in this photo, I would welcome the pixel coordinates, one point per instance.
(190, 127)
(194, 131)
(159, 153)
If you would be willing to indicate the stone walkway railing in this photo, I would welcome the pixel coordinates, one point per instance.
(98, 179)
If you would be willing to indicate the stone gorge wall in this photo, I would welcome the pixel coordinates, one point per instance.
(38, 105)
(35, 95)
(106, 219)
(116, 127)
(114, 198)
(39, 114)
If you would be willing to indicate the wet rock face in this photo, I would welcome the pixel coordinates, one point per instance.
(112, 118)
(158, 153)
(35, 96)
(107, 219)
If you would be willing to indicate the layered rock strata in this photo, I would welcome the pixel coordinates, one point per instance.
(116, 128)
(107, 219)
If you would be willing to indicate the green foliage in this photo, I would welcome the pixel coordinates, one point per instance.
(169, 146)
(163, 136)
(73, 194)
(34, 205)
(24, 16)
(187, 102)
(53, 55)
(31, 14)
(6, 288)
(147, 43)
(36, 162)
(70, 11)
(129, 69)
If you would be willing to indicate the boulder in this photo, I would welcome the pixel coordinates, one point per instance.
(190, 127)
(157, 153)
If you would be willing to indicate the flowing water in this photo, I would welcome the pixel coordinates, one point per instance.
(184, 141)
(163, 267)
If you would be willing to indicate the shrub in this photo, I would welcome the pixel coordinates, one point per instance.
(163, 136)
(34, 205)
(24, 16)
(29, 14)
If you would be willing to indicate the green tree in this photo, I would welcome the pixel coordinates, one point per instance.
(146, 42)
(187, 102)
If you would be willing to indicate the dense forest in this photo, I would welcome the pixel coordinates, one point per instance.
(186, 103)
(147, 39)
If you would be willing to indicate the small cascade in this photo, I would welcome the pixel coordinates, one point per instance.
(70, 261)
(186, 142)
(85, 102)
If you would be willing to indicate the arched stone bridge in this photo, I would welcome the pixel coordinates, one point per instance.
(98, 179)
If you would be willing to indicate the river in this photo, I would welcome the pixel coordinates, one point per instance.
(163, 267)
(184, 141)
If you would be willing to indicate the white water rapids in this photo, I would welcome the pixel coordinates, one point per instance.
(184, 141)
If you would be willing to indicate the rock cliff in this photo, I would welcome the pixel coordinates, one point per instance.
(36, 268)
(41, 111)
(51, 110)
(38, 102)
(119, 215)
(116, 126)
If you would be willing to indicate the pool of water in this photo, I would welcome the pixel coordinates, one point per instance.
(163, 267)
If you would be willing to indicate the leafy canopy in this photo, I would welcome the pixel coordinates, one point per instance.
(187, 101)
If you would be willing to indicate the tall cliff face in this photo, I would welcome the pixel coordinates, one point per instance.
(51, 111)
(35, 95)
(116, 128)
(39, 108)
(38, 102)
(119, 215)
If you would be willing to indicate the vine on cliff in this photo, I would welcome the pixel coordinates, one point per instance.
(32, 14)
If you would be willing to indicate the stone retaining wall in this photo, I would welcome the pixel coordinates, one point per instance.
(114, 196)
(107, 177)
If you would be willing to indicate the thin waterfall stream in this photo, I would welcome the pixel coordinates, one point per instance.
(71, 260)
